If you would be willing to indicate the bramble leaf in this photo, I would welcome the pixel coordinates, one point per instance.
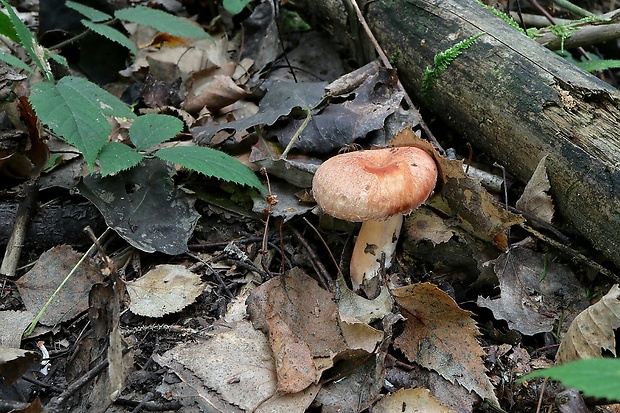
(14, 61)
(7, 29)
(76, 110)
(161, 21)
(211, 162)
(93, 15)
(596, 377)
(116, 157)
(235, 6)
(112, 34)
(152, 129)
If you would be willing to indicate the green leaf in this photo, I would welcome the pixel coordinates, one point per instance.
(161, 21)
(30, 44)
(211, 163)
(7, 29)
(601, 64)
(597, 377)
(112, 34)
(77, 110)
(14, 61)
(235, 6)
(58, 58)
(116, 157)
(152, 129)
(92, 14)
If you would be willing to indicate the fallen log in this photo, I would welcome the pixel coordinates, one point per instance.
(511, 98)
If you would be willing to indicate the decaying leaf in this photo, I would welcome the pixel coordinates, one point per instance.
(410, 401)
(163, 290)
(234, 368)
(358, 380)
(14, 362)
(592, 331)
(535, 292)
(452, 395)
(143, 206)
(12, 326)
(433, 321)
(424, 224)
(301, 320)
(464, 198)
(535, 199)
(48, 273)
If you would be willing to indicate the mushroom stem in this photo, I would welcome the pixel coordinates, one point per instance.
(376, 239)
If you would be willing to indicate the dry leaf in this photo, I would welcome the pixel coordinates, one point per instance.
(535, 292)
(593, 330)
(48, 273)
(14, 362)
(464, 198)
(234, 368)
(434, 322)
(301, 320)
(535, 200)
(410, 401)
(163, 290)
(12, 326)
(424, 224)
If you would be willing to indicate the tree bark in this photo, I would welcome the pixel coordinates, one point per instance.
(511, 98)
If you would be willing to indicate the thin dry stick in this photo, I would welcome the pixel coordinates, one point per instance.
(326, 246)
(542, 393)
(316, 261)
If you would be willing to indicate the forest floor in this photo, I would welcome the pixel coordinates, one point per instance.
(208, 295)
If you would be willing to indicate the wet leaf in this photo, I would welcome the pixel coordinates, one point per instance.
(163, 290)
(433, 320)
(535, 292)
(143, 206)
(592, 331)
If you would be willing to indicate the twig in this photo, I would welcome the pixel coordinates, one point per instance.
(20, 228)
(386, 62)
(326, 246)
(316, 261)
(214, 273)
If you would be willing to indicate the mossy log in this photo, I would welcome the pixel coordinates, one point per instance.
(511, 98)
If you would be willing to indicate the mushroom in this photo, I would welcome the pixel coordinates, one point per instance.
(375, 187)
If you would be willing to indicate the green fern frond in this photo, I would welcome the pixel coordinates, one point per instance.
(442, 60)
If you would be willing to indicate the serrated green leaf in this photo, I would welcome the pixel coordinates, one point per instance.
(14, 61)
(597, 377)
(112, 34)
(93, 15)
(58, 58)
(152, 129)
(116, 157)
(30, 44)
(76, 110)
(595, 65)
(71, 116)
(212, 163)
(7, 29)
(161, 21)
(109, 104)
(235, 6)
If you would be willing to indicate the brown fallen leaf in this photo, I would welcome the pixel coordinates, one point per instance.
(38, 284)
(463, 197)
(441, 336)
(410, 401)
(592, 331)
(14, 362)
(535, 292)
(301, 320)
(535, 199)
